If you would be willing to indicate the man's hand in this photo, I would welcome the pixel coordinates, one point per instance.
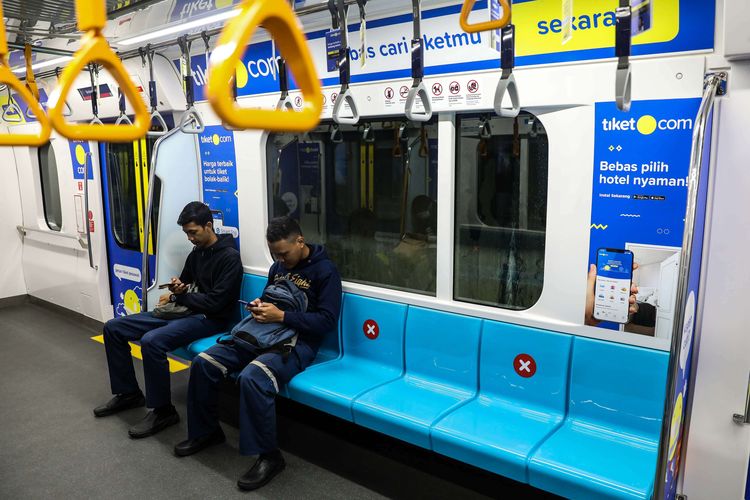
(265, 312)
(177, 287)
(591, 285)
(164, 299)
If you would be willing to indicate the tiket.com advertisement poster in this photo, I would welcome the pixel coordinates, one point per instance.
(639, 196)
(219, 167)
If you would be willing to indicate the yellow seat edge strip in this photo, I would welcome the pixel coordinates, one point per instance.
(279, 19)
(135, 351)
(486, 25)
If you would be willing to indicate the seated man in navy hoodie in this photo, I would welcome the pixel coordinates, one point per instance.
(262, 373)
(214, 265)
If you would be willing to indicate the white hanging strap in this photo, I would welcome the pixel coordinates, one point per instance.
(418, 89)
(507, 83)
(345, 95)
(623, 34)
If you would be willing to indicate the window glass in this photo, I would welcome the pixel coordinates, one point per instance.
(501, 210)
(371, 198)
(50, 187)
(128, 170)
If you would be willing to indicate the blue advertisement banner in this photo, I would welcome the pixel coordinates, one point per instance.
(641, 163)
(219, 170)
(79, 151)
(676, 26)
(680, 395)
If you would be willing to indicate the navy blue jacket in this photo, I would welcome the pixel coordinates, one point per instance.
(319, 279)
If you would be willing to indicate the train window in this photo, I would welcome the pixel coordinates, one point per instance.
(369, 193)
(128, 171)
(50, 187)
(501, 210)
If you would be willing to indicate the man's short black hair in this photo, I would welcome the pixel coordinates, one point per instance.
(196, 212)
(282, 228)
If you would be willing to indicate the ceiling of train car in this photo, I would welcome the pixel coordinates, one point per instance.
(57, 11)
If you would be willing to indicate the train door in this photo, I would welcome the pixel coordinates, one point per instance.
(125, 179)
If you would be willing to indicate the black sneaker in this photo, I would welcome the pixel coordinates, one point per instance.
(155, 420)
(190, 446)
(120, 403)
(265, 468)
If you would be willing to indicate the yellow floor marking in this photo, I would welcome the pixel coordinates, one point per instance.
(135, 350)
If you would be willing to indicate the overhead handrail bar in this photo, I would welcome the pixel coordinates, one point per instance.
(344, 66)
(69, 110)
(507, 83)
(285, 102)
(11, 81)
(191, 122)
(491, 25)
(92, 18)
(155, 118)
(280, 21)
(623, 39)
(418, 88)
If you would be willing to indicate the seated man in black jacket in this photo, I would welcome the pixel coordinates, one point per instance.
(214, 265)
(261, 373)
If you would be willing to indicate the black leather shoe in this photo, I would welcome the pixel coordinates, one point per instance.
(119, 403)
(190, 446)
(155, 421)
(265, 468)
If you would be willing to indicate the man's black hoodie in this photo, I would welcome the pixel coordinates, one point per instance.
(217, 270)
(319, 279)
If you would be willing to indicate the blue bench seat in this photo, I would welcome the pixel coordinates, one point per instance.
(512, 414)
(441, 374)
(365, 363)
(607, 446)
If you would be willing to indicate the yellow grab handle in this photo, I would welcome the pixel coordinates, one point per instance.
(279, 20)
(487, 25)
(42, 136)
(94, 48)
(91, 14)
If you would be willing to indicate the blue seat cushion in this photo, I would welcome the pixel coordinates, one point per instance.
(332, 386)
(407, 407)
(582, 460)
(495, 435)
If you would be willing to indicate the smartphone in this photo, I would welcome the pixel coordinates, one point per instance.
(164, 285)
(614, 277)
(218, 220)
(243, 302)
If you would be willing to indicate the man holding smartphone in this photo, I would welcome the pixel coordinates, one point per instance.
(214, 266)
(262, 372)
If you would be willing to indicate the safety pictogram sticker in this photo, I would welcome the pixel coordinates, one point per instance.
(524, 365)
(371, 329)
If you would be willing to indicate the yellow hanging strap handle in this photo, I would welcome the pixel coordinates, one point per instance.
(94, 49)
(495, 24)
(12, 82)
(30, 80)
(279, 19)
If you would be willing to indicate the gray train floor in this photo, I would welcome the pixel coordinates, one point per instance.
(52, 374)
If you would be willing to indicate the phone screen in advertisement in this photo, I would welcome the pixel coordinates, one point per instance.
(614, 274)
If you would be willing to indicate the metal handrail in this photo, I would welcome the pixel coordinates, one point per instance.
(58, 234)
(86, 209)
(711, 87)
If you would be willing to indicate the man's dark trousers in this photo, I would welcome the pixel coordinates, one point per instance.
(260, 377)
(157, 336)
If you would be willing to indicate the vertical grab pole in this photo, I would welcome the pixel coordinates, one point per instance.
(711, 87)
(86, 209)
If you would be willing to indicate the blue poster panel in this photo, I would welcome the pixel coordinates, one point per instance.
(79, 151)
(219, 170)
(680, 394)
(641, 163)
